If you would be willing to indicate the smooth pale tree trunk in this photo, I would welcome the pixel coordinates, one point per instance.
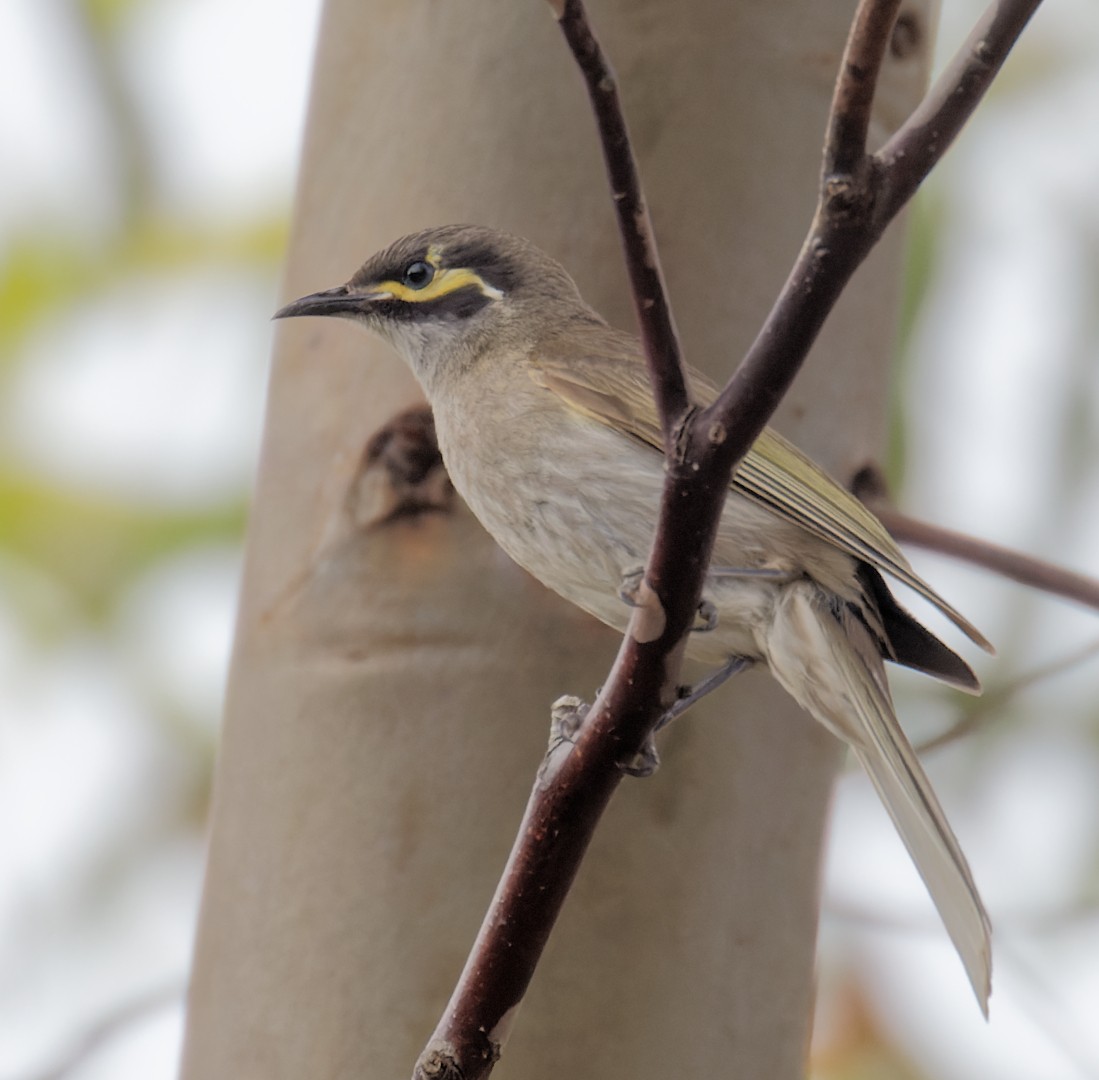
(390, 689)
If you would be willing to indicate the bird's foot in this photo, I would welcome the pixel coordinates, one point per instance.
(567, 713)
(707, 618)
(630, 585)
(645, 762)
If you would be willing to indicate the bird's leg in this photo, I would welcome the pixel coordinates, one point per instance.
(647, 759)
(753, 573)
(691, 694)
(631, 580)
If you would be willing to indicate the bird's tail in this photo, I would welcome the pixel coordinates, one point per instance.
(822, 652)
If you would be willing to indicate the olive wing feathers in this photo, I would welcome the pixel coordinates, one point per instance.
(611, 386)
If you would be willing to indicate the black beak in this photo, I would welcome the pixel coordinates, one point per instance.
(338, 301)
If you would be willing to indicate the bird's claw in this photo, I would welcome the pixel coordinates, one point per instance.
(630, 585)
(645, 762)
(567, 713)
(707, 616)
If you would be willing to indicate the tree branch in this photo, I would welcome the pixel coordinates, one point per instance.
(853, 100)
(853, 211)
(869, 486)
(654, 314)
(1025, 569)
(916, 147)
(577, 781)
(978, 710)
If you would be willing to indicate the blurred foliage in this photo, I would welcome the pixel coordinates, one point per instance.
(72, 556)
(93, 546)
(923, 223)
(43, 274)
(90, 545)
(104, 16)
(78, 560)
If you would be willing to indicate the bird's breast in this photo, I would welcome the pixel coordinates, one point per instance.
(569, 499)
(575, 503)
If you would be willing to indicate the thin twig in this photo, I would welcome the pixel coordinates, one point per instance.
(852, 103)
(1025, 569)
(916, 147)
(870, 486)
(853, 211)
(654, 314)
(993, 700)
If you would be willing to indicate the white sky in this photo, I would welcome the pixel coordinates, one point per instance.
(115, 399)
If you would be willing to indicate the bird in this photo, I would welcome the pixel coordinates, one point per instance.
(549, 431)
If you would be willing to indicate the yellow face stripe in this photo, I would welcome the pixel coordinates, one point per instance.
(442, 284)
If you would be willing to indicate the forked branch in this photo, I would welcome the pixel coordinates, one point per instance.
(1025, 569)
(860, 194)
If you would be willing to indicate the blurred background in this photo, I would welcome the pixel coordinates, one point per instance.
(143, 214)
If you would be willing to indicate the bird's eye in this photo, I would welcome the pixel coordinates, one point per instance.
(418, 275)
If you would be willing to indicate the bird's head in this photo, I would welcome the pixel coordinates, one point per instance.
(441, 296)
